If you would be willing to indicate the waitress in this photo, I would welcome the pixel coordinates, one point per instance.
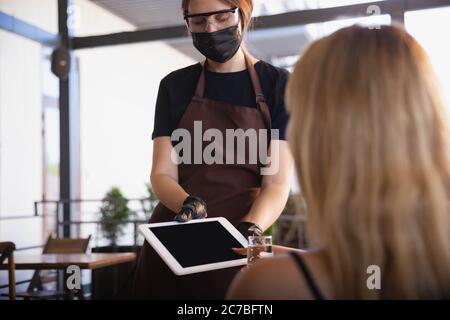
(230, 90)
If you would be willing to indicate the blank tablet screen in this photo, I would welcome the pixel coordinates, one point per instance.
(195, 244)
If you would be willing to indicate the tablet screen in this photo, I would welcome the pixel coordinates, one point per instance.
(195, 244)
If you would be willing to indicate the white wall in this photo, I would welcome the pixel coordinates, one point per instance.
(41, 13)
(427, 27)
(118, 92)
(91, 19)
(20, 129)
(119, 86)
(118, 89)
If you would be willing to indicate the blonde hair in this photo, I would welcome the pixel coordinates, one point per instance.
(370, 142)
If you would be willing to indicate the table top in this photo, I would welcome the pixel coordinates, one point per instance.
(62, 261)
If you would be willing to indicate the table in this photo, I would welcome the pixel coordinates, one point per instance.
(62, 261)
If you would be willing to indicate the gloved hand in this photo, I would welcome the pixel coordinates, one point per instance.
(193, 208)
(249, 229)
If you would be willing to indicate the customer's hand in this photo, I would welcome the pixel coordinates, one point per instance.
(240, 251)
(275, 249)
(193, 207)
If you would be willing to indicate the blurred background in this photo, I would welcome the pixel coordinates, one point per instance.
(75, 153)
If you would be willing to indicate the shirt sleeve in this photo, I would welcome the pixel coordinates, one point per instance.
(280, 116)
(163, 122)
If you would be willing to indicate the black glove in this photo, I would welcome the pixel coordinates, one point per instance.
(249, 229)
(193, 208)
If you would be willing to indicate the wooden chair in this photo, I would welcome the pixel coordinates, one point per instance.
(7, 252)
(35, 289)
(66, 245)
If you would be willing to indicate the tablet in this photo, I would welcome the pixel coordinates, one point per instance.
(196, 246)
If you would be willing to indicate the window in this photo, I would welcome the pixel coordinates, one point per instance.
(429, 27)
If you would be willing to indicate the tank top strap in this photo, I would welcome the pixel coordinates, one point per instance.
(317, 294)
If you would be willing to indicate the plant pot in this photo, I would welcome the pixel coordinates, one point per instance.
(111, 283)
(115, 249)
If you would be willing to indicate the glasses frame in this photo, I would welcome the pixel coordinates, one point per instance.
(208, 14)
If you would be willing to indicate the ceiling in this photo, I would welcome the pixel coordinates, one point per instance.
(149, 14)
(145, 14)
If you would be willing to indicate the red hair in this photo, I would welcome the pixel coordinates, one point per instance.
(245, 10)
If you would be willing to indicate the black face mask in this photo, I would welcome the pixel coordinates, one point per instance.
(219, 46)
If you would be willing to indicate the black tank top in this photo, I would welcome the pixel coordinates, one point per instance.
(308, 277)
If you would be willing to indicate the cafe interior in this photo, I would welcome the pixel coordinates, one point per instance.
(78, 85)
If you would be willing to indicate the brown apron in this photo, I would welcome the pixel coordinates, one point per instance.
(228, 189)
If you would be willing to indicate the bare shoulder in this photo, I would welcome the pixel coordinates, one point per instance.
(277, 278)
(253, 282)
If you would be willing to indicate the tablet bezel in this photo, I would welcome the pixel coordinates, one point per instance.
(170, 260)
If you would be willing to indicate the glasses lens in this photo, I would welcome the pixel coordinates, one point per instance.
(220, 20)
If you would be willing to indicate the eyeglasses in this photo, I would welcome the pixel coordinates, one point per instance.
(222, 19)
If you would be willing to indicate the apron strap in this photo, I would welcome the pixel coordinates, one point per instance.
(260, 99)
(200, 90)
(254, 77)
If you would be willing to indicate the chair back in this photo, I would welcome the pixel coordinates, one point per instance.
(7, 252)
(56, 246)
(66, 245)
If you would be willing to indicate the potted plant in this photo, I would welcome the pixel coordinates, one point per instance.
(108, 282)
(113, 211)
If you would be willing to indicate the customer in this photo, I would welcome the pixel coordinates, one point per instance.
(370, 142)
